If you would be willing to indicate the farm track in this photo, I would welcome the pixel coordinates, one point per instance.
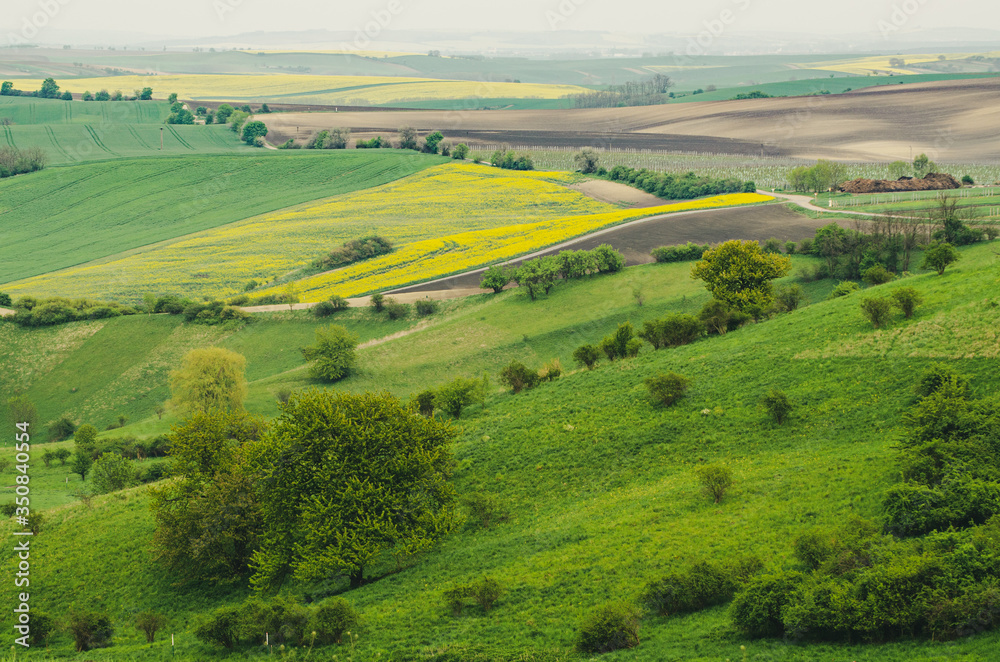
(97, 139)
(55, 142)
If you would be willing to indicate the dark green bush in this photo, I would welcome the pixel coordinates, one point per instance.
(8, 509)
(587, 355)
(610, 627)
(777, 405)
(354, 250)
(423, 402)
(339, 303)
(906, 299)
(551, 371)
(682, 253)
(332, 619)
(787, 298)
(622, 343)
(877, 275)
(702, 585)
(90, 630)
(844, 288)
(878, 311)
(220, 628)
(484, 592)
(814, 549)
(42, 626)
(936, 376)
(61, 429)
(518, 377)
(323, 309)
(148, 622)
(426, 307)
(772, 245)
(674, 330)
(716, 479)
(756, 608)
(378, 302)
(396, 310)
(666, 389)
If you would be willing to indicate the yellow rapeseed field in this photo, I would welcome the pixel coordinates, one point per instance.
(442, 220)
(880, 64)
(317, 89)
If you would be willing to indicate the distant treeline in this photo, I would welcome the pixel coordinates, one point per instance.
(648, 92)
(354, 250)
(677, 187)
(14, 161)
(50, 90)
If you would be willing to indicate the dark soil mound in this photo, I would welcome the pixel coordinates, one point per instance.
(935, 181)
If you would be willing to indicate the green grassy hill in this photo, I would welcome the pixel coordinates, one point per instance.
(599, 482)
(124, 204)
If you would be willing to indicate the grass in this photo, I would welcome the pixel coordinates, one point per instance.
(29, 111)
(600, 483)
(64, 216)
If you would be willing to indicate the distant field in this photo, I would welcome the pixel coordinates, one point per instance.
(64, 216)
(328, 90)
(28, 110)
(442, 220)
(913, 63)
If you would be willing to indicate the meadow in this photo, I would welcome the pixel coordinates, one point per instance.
(598, 481)
(65, 216)
(327, 90)
(443, 220)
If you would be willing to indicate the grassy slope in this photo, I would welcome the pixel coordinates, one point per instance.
(125, 204)
(599, 481)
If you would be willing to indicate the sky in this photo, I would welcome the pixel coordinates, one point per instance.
(203, 18)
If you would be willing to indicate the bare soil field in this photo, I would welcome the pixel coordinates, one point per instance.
(949, 120)
(616, 193)
(635, 240)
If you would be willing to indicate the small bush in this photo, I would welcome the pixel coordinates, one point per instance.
(61, 429)
(378, 301)
(844, 288)
(486, 592)
(221, 628)
(968, 180)
(788, 298)
(700, 586)
(813, 549)
(112, 472)
(772, 245)
(423, 402)
(396, 310)
(8, 509)
(790, 247)
(426, 307)
(587, 355)
(519, 377)
(716, 479)
(667, 389)
(90, 630)
(756, 608)
(47, 458)
(877, 275)
(937, 376)
(806, 246)
(906, 299)
(459, 393)
(42, 626)
(551, 370)
(62, 455)
(878, 311)
(610, 627)
(283, 395)
(323, 309)
(777, 405)
(148, 622)
(485, 509)
(672, 331)
(683, 253)
(339, 303)
(332, 619)
(622, 343)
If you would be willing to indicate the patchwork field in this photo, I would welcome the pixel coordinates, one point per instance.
(328, 90)
(953, 120)
(65, 216)
(444, 220)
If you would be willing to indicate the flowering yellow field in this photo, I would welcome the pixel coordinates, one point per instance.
(866, 65)
(317, 89)
(443, 219)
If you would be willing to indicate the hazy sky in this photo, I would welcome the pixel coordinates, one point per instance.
(199, 18)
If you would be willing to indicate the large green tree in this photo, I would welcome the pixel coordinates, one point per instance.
(209, 378)
(333, 354)
(739, 274)
(346, 481)
(208, 519)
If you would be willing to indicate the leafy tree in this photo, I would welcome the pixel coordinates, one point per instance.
(877, 275)
(587, 355)
(5, 299)
(788, 298)
(459, 393)
(407, 137)
(146, 94)
(538, 275)
(223, 112)
(906, 299)
(82, 463)
(87, 96)
(378, 302)
(716, 479)
(252, 131)
(460, 152)
(148, 622)
(878, 310)
(777, 405)
(349, 479)
(90, 630)
(672, 331)
(332, 354)
(622, 343)
(938, 256)
(85, 439)
(739, 273)
(610, 627)
(236, 120)
(497, 277)
(586, 160)
(7, 89)
(899, 169)
(182, 116)
(334, 618)
(208, 519)
(103, 95)
(209, 378)
(110, 473)
(519, 377)
(431, 143)
(922, 165)
(61, 429)
(172, 99)
(265, 109)
(49, 90)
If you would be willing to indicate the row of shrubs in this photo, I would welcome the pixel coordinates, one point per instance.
(540, 274)
(677, 187)
(354, 250)
(14, 161)
(280, 620)
(451, 397)
(33, 312)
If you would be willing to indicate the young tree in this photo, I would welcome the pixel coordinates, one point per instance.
(209, 378)
(407, 137)
(716, 479)
(777, 405)
(878, 310)
(906, 299)
(459, 393)
(497, 277)
(378, 302)
(148, 622)
(538, 275)
(668, 388)
(349, 479)
(85, 439)
(223, 112)
(172, 99)
(110, 473)
(586, 160)
(460, 152)
(938, 256)
(333, 354)
(22, 410)
(252, 131)
(431, 142)
(739, 273)
(49, 90)
(587, 355)
(81, 464)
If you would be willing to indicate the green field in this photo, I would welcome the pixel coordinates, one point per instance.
(599, 481)
(29, 110)
(64, 216)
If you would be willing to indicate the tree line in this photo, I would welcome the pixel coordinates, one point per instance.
(50, 90)
(648, 92)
